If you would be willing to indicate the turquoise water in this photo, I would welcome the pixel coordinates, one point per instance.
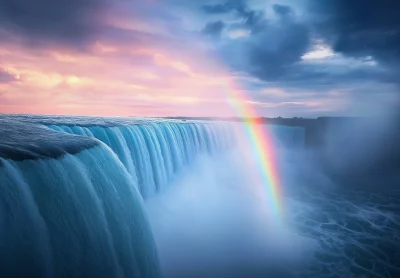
(125, 197)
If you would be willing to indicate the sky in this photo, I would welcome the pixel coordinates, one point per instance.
(304, 58)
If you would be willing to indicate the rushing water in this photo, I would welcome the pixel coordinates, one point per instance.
(358, 231)
(215, 221)
(71, 200)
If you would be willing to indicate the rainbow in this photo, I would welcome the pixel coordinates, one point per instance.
(262, 149)
(254, 133)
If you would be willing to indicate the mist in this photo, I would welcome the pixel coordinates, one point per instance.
(362, 153)
(215, 220)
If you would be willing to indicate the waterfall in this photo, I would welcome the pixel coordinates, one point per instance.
(69, 208)
(153, 153)
(72, 189)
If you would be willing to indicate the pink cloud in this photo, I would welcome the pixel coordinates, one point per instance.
(110, 79)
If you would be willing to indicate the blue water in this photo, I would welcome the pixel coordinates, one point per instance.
(129, 197)
(154, 152)
(357, 231)
(77, 216)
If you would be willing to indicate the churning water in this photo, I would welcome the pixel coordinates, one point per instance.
(94, 197)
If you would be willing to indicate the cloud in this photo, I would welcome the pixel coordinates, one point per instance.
(6, 77)
(282, 10)
(228, 6)
(337, 72)
(214, 29)
(360, 28)
(278, 47)
(272, 45)
(110, 51)
(71, 21)
(239, 7)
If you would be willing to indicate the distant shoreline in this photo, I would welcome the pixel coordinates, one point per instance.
(315, 127)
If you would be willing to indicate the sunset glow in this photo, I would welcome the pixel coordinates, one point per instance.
(153, 58)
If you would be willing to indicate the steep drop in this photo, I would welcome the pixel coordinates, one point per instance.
(71, 189)
(155, 152)
(69, 208)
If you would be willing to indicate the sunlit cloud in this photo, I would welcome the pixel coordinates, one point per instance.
(320, 52)
(238, 33)
(155, 58)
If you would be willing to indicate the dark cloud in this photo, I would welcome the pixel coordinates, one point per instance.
(214, 29)
(66, 21)
(282, 10)
(273, 51)
(272, 47)
(239, 7)
(322, 77)
(6, 77)
(277, 48)
(231, 5)
(218, 8)
(318, 74)
(361, 27)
